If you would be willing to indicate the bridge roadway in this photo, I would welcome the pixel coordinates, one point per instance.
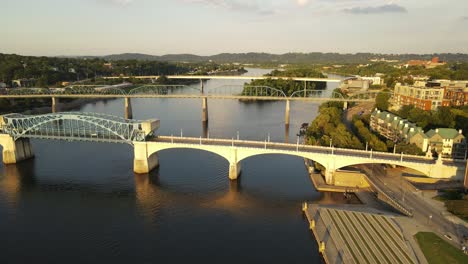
(233, 77)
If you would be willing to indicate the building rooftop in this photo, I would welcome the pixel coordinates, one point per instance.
(446, 133)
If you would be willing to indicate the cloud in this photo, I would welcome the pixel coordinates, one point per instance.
(302, 2)
(387, 8)
(118, 2)
(236, 5)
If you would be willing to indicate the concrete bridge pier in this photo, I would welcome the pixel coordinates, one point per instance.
(144, 163)
(128, 108)
(55, 105)
(15, 151)
(329, 179)
(234, 170)
(234, 166)
(286, 114)
(205, 110)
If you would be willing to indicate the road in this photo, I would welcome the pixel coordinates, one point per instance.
(391, 181)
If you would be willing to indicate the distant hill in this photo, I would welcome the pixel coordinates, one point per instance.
(305, 58)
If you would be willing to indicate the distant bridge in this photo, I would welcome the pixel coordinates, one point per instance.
(182, 91)
(16, 130)
(232, 77)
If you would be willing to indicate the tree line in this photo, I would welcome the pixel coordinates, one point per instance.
(289, 86)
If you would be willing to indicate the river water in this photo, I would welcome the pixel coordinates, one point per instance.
(81, 202)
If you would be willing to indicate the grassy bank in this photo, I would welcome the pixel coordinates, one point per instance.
(437, 250)
(456, 202)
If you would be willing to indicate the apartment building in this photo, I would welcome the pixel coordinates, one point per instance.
(447, 142)
(423, 97)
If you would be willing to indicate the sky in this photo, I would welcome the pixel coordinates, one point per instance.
(207, 27)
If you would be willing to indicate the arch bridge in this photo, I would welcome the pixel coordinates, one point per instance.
(332, 159)
(17, 129)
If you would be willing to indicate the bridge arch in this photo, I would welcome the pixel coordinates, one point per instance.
(303, 155)
(247, 90)
(424, 170)
(93, 90)
(222, 152)
(160, 89)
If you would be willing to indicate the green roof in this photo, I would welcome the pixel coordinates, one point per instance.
(446, 133)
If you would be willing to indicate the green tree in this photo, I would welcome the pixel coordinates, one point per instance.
(381, 101)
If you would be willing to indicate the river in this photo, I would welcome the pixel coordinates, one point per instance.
(79, 202)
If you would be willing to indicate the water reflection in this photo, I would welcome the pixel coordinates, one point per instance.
(17, 178)
(148, 196)
(205, 129)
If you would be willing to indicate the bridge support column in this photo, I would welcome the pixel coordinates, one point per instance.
(329, 176)
(234, 170)
(55, 105)
(345, 106)
(15, 151)
(205, 110)
(144, 163)
(286, 114)
(128, 108)
(234, 166)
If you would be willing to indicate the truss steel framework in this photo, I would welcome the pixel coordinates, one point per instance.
(73, 126)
